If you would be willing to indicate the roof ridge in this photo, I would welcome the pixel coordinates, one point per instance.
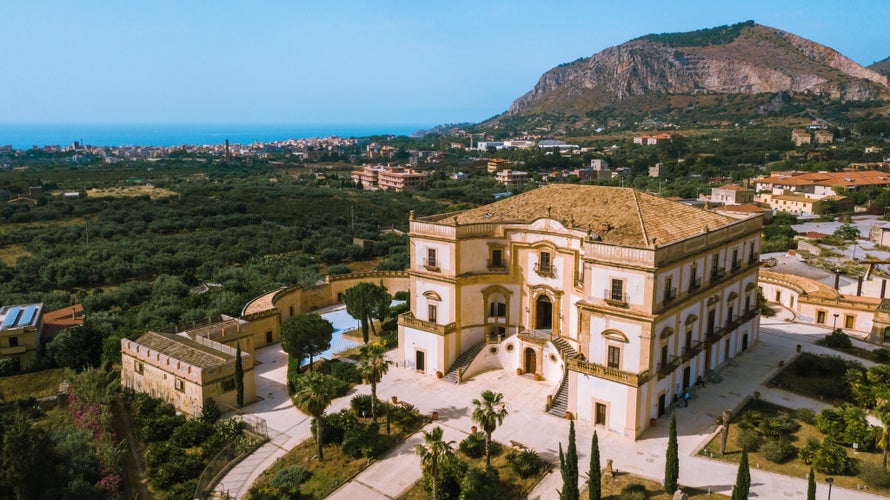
(640, 216)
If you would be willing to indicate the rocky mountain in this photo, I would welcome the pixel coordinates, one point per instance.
(881, 67)
(744, 58)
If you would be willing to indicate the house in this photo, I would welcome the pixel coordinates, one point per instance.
(731, 194)
(800, 137)
(511, 177)
(20, 330)
(397, 178)
(619, 297)
(185, 371)
(820, 184)
(823, 136)
(55, 322)
(804, 205)
(745, 210)
(880, 234)
(496, 164)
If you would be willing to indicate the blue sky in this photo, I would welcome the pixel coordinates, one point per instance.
(345, 62)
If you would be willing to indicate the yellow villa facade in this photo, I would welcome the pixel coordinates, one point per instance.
(621, 297)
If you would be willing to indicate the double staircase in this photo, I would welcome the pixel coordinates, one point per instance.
(561, 399)
(462, 362)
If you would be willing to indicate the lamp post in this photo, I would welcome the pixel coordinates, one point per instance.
(830, 481)
(834, 325)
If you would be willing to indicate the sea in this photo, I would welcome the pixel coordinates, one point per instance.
(24, 136)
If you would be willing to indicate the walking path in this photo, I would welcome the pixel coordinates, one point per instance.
(529, 424)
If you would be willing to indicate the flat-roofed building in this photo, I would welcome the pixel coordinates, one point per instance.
(20, 329)
(388, 177)
(511, 177)
(185, 371)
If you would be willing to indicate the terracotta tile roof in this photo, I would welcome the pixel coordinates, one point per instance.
(72, 315)
(852, 178)
(183, 349)
(732, 187)
(743, 208)
(634, 218)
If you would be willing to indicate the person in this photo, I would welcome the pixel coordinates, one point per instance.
(700, 382)
(685, 399)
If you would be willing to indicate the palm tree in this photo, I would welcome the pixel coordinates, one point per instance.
(313, 396)
(373, 365)
(434, 452)
(489, 413)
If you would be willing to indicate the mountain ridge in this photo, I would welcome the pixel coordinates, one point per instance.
(744, 58)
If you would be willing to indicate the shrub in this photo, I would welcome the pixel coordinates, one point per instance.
(809, 450)
(748, 439)
(161, 428)
(831, 458)
(633, 491)
(182, 491)
(361, 404)
(364, 441)
(882, 355)
(401, 295)
(191, 433)
(836, 339)
(526, 463)
(776, 427)
(847, 425)
(405, 415)
(453, 471)
(777, 450)
(473, 445)
(339, 269)
(750, 419)
(335, 426)
(874, 474)
(179, 467)
(481, 484)
(346, 372)
(288, 480)
(210, 412)
(805, 415)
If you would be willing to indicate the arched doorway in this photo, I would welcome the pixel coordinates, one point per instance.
(543, 313)
(496, 332)
(531, 360)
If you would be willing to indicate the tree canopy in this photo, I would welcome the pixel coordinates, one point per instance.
(306, 334)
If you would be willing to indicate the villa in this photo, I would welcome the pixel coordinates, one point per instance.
(620, 298)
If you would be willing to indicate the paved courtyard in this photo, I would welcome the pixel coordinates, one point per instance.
(529, 424)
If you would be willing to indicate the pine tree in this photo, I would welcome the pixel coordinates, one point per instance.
(239, 377)
(595, 487)
(672, 461)
(742, 479)
(568, 465)
(811, 485)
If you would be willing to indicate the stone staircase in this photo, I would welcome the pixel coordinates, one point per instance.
(463, 361)
(561, 400)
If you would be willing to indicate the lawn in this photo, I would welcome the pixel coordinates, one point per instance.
(794, 466)
(326, 475)
(37, 384)
(613, 486)
(818, 377)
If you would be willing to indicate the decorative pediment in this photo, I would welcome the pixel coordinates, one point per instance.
(667, 332)
(732, 296)
(713, 300)
(615, 335)
(749, 287)
(431, 295)
(691, 319)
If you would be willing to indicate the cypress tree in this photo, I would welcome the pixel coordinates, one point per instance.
(239, 377)
(672, 461)
(569, 467)
(595, 487)
(742, 479)
(811, 485)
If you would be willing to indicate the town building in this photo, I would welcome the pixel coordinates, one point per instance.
(20, 330)
(819, 184)
(56, 322)
(800, 137)
(509, 177)
(652, 140)
(731, 194)
(621, 297)
(804, 205)
(396, 178)
(823, 136)
(496, 164)
(185, 371)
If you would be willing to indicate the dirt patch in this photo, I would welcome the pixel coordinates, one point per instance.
(132, 191)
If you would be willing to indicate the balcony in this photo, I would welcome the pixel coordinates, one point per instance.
(694, 284)
(731, 326)
(669, 295)
(615, 299)
(408, 320)
(753, 259)
(612, 374)
(665, 369)
(431, 265)
(691, 351)
(9, 351)
(736, 266)
(545, 270)
(717, 275)
(497, 265)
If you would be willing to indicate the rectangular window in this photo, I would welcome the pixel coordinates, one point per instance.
(544, 264)
(617, 290)
(689, 338)
(694, 280)
(712, 319)
(848, 320)
(747, 303)
(138, 368)
(715, 262)
(431, 259)
(497, 258)
(227, 384)
(179, 385)
(669, 291)
(600, 418)
(614, 357)
(433, 313)
(664, 355)
(729, 315)
(497, 310)
(13, 341)
(820, 317)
